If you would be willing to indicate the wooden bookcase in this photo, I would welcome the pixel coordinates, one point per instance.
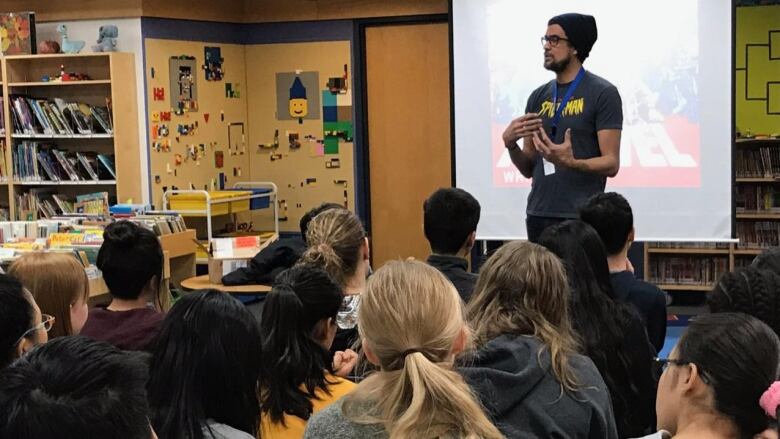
(112, 76)
(746, 216)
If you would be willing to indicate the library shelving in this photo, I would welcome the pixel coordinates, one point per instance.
(67, 138)
(698, 266)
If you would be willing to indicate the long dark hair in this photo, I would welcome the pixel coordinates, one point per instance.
(205, 365)
(737, 355)
(294, 364)
(600, 321)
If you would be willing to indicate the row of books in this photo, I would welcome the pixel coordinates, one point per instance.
(41, 162)
(56, 116)
(687, 270)
(27, 230)
(3, 168)
(2, 116)
(761, 162)
(678, 245)
(758, 234)
(757, 198)
(44, 203)
(161, 223)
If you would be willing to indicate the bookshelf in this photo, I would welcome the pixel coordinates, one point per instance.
(697, 266)
(95, 136)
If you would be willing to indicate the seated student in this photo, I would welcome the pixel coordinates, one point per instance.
(612, 333)
(338, 243)
(411, 325)
(75, 388)
(769, 259)
(60, 287)
(298, 326)
(718, 377)
(204, 369)
(611, 216)
(278, 256)
(131, 260)
(748, 290)
(22, 326)
(525, 342)
(450, 217)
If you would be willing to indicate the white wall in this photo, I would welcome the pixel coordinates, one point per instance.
(129, 40)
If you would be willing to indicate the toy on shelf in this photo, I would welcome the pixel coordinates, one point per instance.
(106, 41)
(67, 45)
(66, 76)
(48, 46)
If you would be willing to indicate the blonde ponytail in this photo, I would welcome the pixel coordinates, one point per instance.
(410, 319)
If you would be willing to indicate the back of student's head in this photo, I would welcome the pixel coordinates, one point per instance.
(411, 323)
(450, 216)
(610, 214)
(59, 285)
(522, 290)
(16, 317)
(308, 216)
(769, 259)
(298, 322)
(584, 256)
(205, 365)
(129, 258)
(335, 238)
(74, 388)
(737, 355)
(749, 290)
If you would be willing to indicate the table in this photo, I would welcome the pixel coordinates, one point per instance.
(202, 282)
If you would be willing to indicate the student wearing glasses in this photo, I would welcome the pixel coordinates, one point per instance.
(22, 326)
(719, 381)
(571, 129)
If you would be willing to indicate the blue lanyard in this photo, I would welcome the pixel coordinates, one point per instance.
(559, 111)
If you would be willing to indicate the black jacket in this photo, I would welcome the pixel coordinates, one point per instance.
(648, 299)
(456, 270)
(512, 376)
(270, 261)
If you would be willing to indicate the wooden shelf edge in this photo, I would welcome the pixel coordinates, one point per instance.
(59, 83)
(756, 215)
(179, 244)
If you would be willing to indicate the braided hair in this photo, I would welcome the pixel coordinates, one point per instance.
(750, 290)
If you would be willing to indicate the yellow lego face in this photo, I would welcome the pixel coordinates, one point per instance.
(299, 107)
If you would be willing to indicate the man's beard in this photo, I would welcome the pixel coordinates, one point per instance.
(558, 66)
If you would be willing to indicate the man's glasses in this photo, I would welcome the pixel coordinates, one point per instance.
(553, 40)
(47, 322)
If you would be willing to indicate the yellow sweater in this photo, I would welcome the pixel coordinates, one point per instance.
(295, 426)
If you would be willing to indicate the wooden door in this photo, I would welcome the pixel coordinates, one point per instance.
(408, 96)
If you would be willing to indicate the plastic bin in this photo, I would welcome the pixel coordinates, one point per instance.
(196, 201)
(257, 203)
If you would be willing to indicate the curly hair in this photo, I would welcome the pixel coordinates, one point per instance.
(749, 290)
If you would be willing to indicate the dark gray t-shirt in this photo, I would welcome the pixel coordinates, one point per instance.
(594, 106)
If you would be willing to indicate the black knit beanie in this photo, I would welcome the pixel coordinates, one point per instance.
(581, 31)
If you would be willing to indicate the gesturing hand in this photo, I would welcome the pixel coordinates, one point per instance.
(559, 154)
(523, 126)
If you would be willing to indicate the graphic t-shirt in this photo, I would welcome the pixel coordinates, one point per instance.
(595, 105)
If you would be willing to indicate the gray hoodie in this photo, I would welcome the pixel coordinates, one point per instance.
(519, 391)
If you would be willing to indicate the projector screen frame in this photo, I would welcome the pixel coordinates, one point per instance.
(733, 71)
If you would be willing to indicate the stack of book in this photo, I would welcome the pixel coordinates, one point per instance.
(161, 223)
(33, 116)
(687, 270)
(757, 198)
(92, 204)
(761, 162)
(758, 234)
(34, 162)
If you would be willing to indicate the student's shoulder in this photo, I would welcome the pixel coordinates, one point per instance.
(331, 422)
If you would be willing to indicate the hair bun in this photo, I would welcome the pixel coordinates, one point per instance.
(770, 400)
(121, 233)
